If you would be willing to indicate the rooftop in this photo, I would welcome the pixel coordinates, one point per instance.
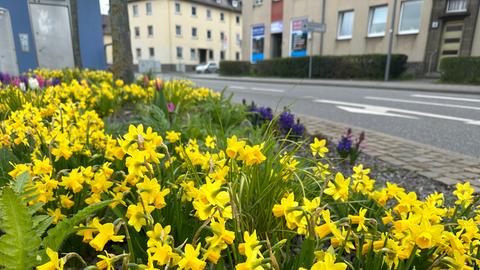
(230, 5)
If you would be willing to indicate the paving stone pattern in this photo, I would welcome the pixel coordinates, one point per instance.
(437, 164)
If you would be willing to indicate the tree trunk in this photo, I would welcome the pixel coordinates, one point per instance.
(77, 56)
(122, 66)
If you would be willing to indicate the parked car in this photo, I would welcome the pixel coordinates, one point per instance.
(210, 67)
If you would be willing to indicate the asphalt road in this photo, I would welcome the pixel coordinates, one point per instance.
(447, 121)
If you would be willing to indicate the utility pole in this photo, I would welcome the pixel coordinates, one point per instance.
(390, 41)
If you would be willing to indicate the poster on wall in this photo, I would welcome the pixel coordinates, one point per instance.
(299, 36)
(258, 39)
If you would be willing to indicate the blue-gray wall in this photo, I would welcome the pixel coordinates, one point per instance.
(91, 34)
(18, 10)
(89, 26)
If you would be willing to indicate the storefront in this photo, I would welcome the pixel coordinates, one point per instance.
(258, 43)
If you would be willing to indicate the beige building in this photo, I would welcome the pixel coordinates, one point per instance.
(274, 28)
(180, 34)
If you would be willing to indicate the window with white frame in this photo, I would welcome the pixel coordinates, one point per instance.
(258, 2)
(377, 21)
(209, 34)
(136, 30)
(410, 14)
(457, 5)
(135, 10)
(237, 56)
(193, 54)
(178, 30)
(179, 52)
(139, 53)
(222, 55)
(177, 8)
(194, 11)
(150, 30)
(222, 16)
(209, 14)
(151, 51)
(237, 19)
(194, 32)
(148, 8)
(345, 24)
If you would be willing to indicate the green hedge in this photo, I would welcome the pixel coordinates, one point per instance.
(234, 68)
(460, 70)
(371, 66)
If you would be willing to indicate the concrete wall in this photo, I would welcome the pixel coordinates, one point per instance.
(91, 36)
(21, 24)
(164, 19)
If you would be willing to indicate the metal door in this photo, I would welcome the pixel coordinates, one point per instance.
(8, 58)
(53, 39)
(451, 40)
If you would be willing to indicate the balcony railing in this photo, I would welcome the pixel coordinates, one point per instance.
(456, 6)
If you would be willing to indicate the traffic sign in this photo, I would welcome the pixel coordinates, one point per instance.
(316, 27)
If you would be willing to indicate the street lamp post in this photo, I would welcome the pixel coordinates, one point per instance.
(390, 41)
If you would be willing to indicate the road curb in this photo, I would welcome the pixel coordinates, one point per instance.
(444, 88)
(440, 165)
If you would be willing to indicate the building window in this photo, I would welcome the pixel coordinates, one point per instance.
(135, 10)
(148, 7)
(139, 53)
(193, 54)
(194, 11)
(177, 8)
(151, 51)
(456, 5)
(178, 30)
(237, 19)
(238, 39)
(237, 56)
(377, 22)
(222, 55)
(210, 54)
(258, 2)
(150, 30)
(209, 34)
(345, 24)
(222, 17)
(179, 52)
(410, 14)
(194, 32)
(222, 36)
(209, 14)
(136, 30)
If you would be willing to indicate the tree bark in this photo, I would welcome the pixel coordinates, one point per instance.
(122, 66)
(77, 56)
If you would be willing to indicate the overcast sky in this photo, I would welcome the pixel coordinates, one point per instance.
(104, 6)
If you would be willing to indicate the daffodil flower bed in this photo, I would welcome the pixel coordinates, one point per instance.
(222, 195)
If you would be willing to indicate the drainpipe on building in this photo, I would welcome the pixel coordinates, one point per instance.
(390, 41)
(323, 22)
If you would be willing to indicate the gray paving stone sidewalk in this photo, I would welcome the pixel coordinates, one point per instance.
(437, 164)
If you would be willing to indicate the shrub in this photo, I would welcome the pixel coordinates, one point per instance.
(234, 68)
(460, 70)
(370, 66)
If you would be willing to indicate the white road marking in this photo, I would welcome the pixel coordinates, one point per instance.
(267, 90)
(447, 98)
(237, 87)
(425, 103)
(376, 109)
